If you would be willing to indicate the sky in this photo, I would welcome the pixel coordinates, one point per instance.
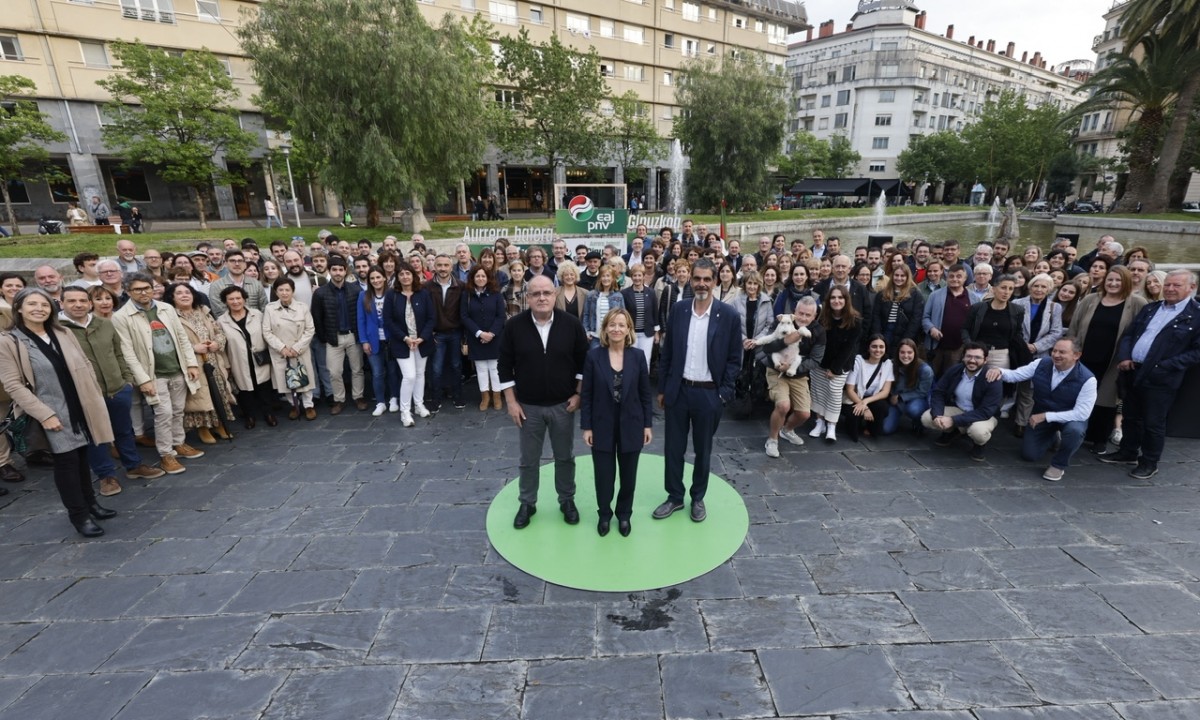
(1061, 29)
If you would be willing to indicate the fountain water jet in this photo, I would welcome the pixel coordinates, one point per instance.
(675, 179)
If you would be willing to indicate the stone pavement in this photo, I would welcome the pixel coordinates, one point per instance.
(338, 570)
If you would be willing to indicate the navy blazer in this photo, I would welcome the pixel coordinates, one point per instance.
(483, 313)
(597, 409)
(1174, 350)
(985, 396)
(396, 327)
(724, 349)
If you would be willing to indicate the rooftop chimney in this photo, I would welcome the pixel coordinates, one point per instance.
(849, 26)
(971, 41)
(826, 29)
(919, 22)
(1037, 58)
(808, 36)
(991, 46)
(1025, 56)
(949, 32)
(1012, 49)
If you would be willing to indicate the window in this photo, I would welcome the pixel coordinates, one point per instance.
(889, 70)
(608, 29)
(94, 54)
(917, 121)
(606, 108)
(758, 26)
(669, 5)
(536, 14)
(691, 48)
(208, 10)
(668, 77)
(889, 46)
(227, 65)
(579, 24)
(936, 98)
(62, 190)
(131, 184)
(18, 192)
(887, 96)
(668, 112)
(606, 69)
(669, 41)
(10, 48)
(825, 100)
(878, 167)
(849, 72)
(710, 48)
(739, 21)
(830, 77)
(149, 10)
(823, 124)
(883, 120)
(879, 143)
(634, 34)
(839, 120)
(467, 5)
(712, 14)
(503, 12)
(776, 34)
(691, 11)
(843, 97)
(636, 73)
(508, 98)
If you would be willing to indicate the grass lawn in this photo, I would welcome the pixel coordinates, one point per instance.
(66, 246)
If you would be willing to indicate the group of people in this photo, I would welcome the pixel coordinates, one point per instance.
(1088, 349)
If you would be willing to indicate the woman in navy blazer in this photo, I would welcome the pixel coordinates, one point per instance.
(410, 342)
(483, 313)
(385, 375)
(616, 415)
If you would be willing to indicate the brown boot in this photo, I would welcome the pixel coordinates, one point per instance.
(205, 436)
(222, 433)
(498, 400)
(170, 465)
(187, 451)
(144, 441)
(109, 486)
(485, 400)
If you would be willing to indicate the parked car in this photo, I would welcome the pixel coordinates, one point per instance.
(1191, 207)
(1082, 206)
(1039, 206)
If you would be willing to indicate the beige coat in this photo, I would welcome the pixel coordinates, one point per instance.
(292, 327)
(137, 342)
(16, 374)
(244, 372)
(1106, 392)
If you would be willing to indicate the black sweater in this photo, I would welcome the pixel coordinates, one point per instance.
(543, 377)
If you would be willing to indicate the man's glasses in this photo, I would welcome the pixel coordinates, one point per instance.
(140, 290)
(540, 293)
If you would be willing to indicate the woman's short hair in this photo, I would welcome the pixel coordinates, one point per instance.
(751, 276)
(169, 293)
(230, 290)
(567, 268)
(97, 291)
(281, 281)
(622, 312)
(493, 285)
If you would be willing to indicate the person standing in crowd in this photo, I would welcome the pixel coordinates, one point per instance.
(606, 296)
(999, 325)
(843, 336)
(1160, 346)
(542, 352)
(675, 288)
(99, 211)
(1043, 327)
(616, 414)
(272, 213)
(210, 406)
(898, 307)
(910, 390)
(790, 394)
(640, 302)
(248, 355)
(158, 353)
(50, 379)
(1064, 391)
(868, 388)
(483, 316)
(289, 331)
(445, 369)
(235, 274)
(700, 359)
(85, 265)
(409, 321)
(860, 296)
(965, 401)
(942, 320)
(570, 296)
(335, 318)
(10, 285)
(98, 339)
(385, 373)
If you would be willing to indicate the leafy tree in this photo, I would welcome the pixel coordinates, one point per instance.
(1064, 168)
(23, 134)
(391, 104)
(842, 159)
(1011, 144)
(940, 157)
(732, 127)
(182, 119)
(809, 157)
(634, 143)
(554, 113)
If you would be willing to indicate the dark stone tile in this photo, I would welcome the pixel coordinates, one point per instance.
(312, 495)
(1069, 672)
(857, 573)
(660, 623)
(804, 507)
(951, 503)
(949, 570)
(219, 693)
(402, 587)
(459, 517)
(832, 680)
(891, 460)
(440, 548)
(325, 521)
(1037, 530)
(1154, 608)
(69, 647)
(452, 692)
(316, 640)
(458, 491)
(1099, 498)
(255, 524)
(790, 539)
(1168, 662)
(948, 676)
(1174, 710)
(862, 620)
(722, 684)
(13, 688)
(396, 519)
(261, 554)
(176, 556)
(356, 692)
(1128, 564)
(207, 643)
(14, 635)
(78, 559)
(189, 523)
(1038, 567)
(1049, 712)
(99, 598)
(859, 535)
(968, 615)
(1021, 502)
(181, 595)
(956, 533)
(432, 636)
(374, 494)
(738, 624)
(490, 585)
(773, 576)
(540, 632)
(24, 599)
(1120, 528)
(297, 591)
(1067, 612)
(82, 695)
(343, 552)
(615, 687)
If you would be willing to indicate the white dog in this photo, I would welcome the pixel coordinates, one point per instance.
(789, 355)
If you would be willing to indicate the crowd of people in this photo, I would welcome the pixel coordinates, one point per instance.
(1061, 348)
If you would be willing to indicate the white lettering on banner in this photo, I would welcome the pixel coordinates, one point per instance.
(654, 222)
(515, 234)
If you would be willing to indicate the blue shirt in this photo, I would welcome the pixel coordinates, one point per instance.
(1162, 317)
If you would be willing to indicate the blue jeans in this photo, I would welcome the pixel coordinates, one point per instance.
(913, 410)
(385, 374)
(276, 219)
(119, 406)
(447, 350)
(323, 383)
(1039, 439)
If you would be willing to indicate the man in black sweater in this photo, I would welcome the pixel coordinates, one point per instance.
(541, 366)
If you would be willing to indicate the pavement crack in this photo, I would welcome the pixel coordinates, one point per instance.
(311, 646)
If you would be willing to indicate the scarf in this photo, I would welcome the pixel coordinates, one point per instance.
(54, 353)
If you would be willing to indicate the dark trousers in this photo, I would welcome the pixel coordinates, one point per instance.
(942, 360)
(1145, 410)
(445, 367)
(1039, 439)
(540, 421)
(74, 482)
(699, 411)
(604, 466)
(854, 425)
(99, 459)
(257, 401)
(1101, 423)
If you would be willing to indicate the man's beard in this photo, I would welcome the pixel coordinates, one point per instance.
(297, 271)
(700, 294)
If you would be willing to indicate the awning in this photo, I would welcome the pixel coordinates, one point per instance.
(831, 186)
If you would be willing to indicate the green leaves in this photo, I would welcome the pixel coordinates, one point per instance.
(1012, 143)
(633, 142)
(941, 157)
(24, 133)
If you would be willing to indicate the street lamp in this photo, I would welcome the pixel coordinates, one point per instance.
(287, 151)
(504, 184)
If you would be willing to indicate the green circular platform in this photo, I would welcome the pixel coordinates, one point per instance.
(657, 554)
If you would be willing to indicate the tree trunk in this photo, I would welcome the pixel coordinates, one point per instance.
(1142, 146)
(1172, 145)
(12, 216)
(201, 197)
(372, 212)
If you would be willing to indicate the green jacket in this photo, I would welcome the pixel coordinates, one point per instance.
(103, 349)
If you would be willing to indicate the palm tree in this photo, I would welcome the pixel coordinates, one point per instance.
(1179, 19)
(1149, 86)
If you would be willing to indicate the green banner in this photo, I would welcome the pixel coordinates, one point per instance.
(581, 217)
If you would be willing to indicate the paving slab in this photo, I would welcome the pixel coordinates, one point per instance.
(615, 687)
(451, 692)
(222, 694)
(1074, 671)
(877, 619)
(353, 692)
(76, 695)
(833, 680)
(947, 676)
(719, 684)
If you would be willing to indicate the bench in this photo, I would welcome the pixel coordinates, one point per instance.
(451, 218)
(98, 229)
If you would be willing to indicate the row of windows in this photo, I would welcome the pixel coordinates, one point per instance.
(162, 10)
(505, 12)
(93, 54)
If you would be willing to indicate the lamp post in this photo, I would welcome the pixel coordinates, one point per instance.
(287, 152)
(504, 184)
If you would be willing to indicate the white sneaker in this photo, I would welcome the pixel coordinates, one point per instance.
(380, 409)
(772, 448)
(406, 418)
(830, 433)
(818, 428)
(791, 436)
(1116, 436)
(393, 405)
(419, 409)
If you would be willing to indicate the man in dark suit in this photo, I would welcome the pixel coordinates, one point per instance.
(860, 297)
(964, 400)
(701, 357)
(1153, 355)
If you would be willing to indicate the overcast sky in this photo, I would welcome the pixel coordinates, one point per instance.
(1061, 29)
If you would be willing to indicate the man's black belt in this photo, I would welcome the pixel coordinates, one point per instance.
(700, 384)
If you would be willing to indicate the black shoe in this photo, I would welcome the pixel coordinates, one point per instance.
(602, 527)
(88, 529)
(433, 405)
(272, 421)
(1099, 448)
(976, 453)
(460, 403)
(525, 512)
(569, 511)
(624, 528)
(41, 458)
(1145, 470)
(698, 511)
(9, 473)
(101, 513)
(666, 509)
(946, 438)
(1019, 431)
(1117, 457)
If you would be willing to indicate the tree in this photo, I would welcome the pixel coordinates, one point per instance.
(24, 132)
(1178, 20)
(1011, 144)
(937, 158)
(634, 144)
(808, 157)
(183, 116)
(842, 158)
(732, 126)
(392, 105)
(554, 105)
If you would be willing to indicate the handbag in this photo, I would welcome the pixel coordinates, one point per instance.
(261, 357)
(295, 377)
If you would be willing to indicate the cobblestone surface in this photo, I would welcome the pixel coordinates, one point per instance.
(339, 569)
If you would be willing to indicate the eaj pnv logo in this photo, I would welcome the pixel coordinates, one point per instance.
(582, 217)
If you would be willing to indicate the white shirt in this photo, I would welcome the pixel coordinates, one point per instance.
(861, 375)
(1162, 317)
(1083, 402)
(695, 363)
(304, 287)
